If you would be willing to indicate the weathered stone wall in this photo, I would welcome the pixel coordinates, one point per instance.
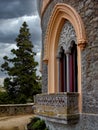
(86, 123)
(44, 66)
(16, 109)
(88, 10)
(44, 78)
(90, 59)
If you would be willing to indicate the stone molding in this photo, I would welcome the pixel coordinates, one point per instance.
(44, 6)
(60, 13)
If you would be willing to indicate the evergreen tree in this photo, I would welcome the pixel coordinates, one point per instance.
(22, 82)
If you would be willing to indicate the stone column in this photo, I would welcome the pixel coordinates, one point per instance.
(67, 64)
(59, 78)
(64, 74)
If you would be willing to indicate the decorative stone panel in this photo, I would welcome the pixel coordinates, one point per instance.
(62, 106)
(67, 35)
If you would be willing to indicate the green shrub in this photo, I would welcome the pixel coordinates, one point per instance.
(37, 124)
(33, 120)
(4, 98)
(21, 99)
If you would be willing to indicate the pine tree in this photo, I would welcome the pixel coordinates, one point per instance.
(22, 82)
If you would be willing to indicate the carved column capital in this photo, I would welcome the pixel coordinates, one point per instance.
(45, 60)
(82, 44)
(67, 51)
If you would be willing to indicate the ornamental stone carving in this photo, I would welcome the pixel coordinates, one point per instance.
(67, 35)
(59, 105)
(60, 12)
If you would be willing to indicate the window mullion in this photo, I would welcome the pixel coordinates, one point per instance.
(67, 65)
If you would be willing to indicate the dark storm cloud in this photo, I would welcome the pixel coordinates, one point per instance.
(7, 37)
(9, 29)
(17, 8)
(35, 31)
(12, 14)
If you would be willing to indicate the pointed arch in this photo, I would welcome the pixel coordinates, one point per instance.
(61, 12)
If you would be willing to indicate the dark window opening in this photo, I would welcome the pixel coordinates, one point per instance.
(63, 72)
(73, 68)
(73, 71)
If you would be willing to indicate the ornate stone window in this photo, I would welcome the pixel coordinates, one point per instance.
(64, 41)
(60, 14)
(67, 59)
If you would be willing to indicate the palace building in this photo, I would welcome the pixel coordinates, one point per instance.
(69, 66)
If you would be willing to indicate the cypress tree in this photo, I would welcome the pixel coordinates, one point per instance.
(22, 82)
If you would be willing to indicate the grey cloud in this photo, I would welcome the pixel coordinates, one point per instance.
(2, 74)
(12, 14)
(5, 50)
(9, 29)
(35, 31)
(17, 8)
(7, 38)
(36, 37)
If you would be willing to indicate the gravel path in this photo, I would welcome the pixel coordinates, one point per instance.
(15, 122)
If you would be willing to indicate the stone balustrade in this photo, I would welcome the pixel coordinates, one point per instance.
(16, 109)
(59, 105)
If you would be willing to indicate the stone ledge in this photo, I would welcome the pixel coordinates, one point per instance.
(59, 106)
(69, 119)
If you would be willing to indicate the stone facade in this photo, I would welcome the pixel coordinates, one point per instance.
(85, 123)
(88, 11)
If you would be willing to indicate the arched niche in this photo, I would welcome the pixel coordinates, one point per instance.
(60, 14)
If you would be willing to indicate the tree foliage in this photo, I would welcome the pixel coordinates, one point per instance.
(22, 82)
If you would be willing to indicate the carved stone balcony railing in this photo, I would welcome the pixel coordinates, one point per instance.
(59, 106)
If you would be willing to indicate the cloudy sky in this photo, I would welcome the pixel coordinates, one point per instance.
(12, 14)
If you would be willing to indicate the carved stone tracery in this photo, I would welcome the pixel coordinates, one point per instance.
(67, 35)
(60, 12)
